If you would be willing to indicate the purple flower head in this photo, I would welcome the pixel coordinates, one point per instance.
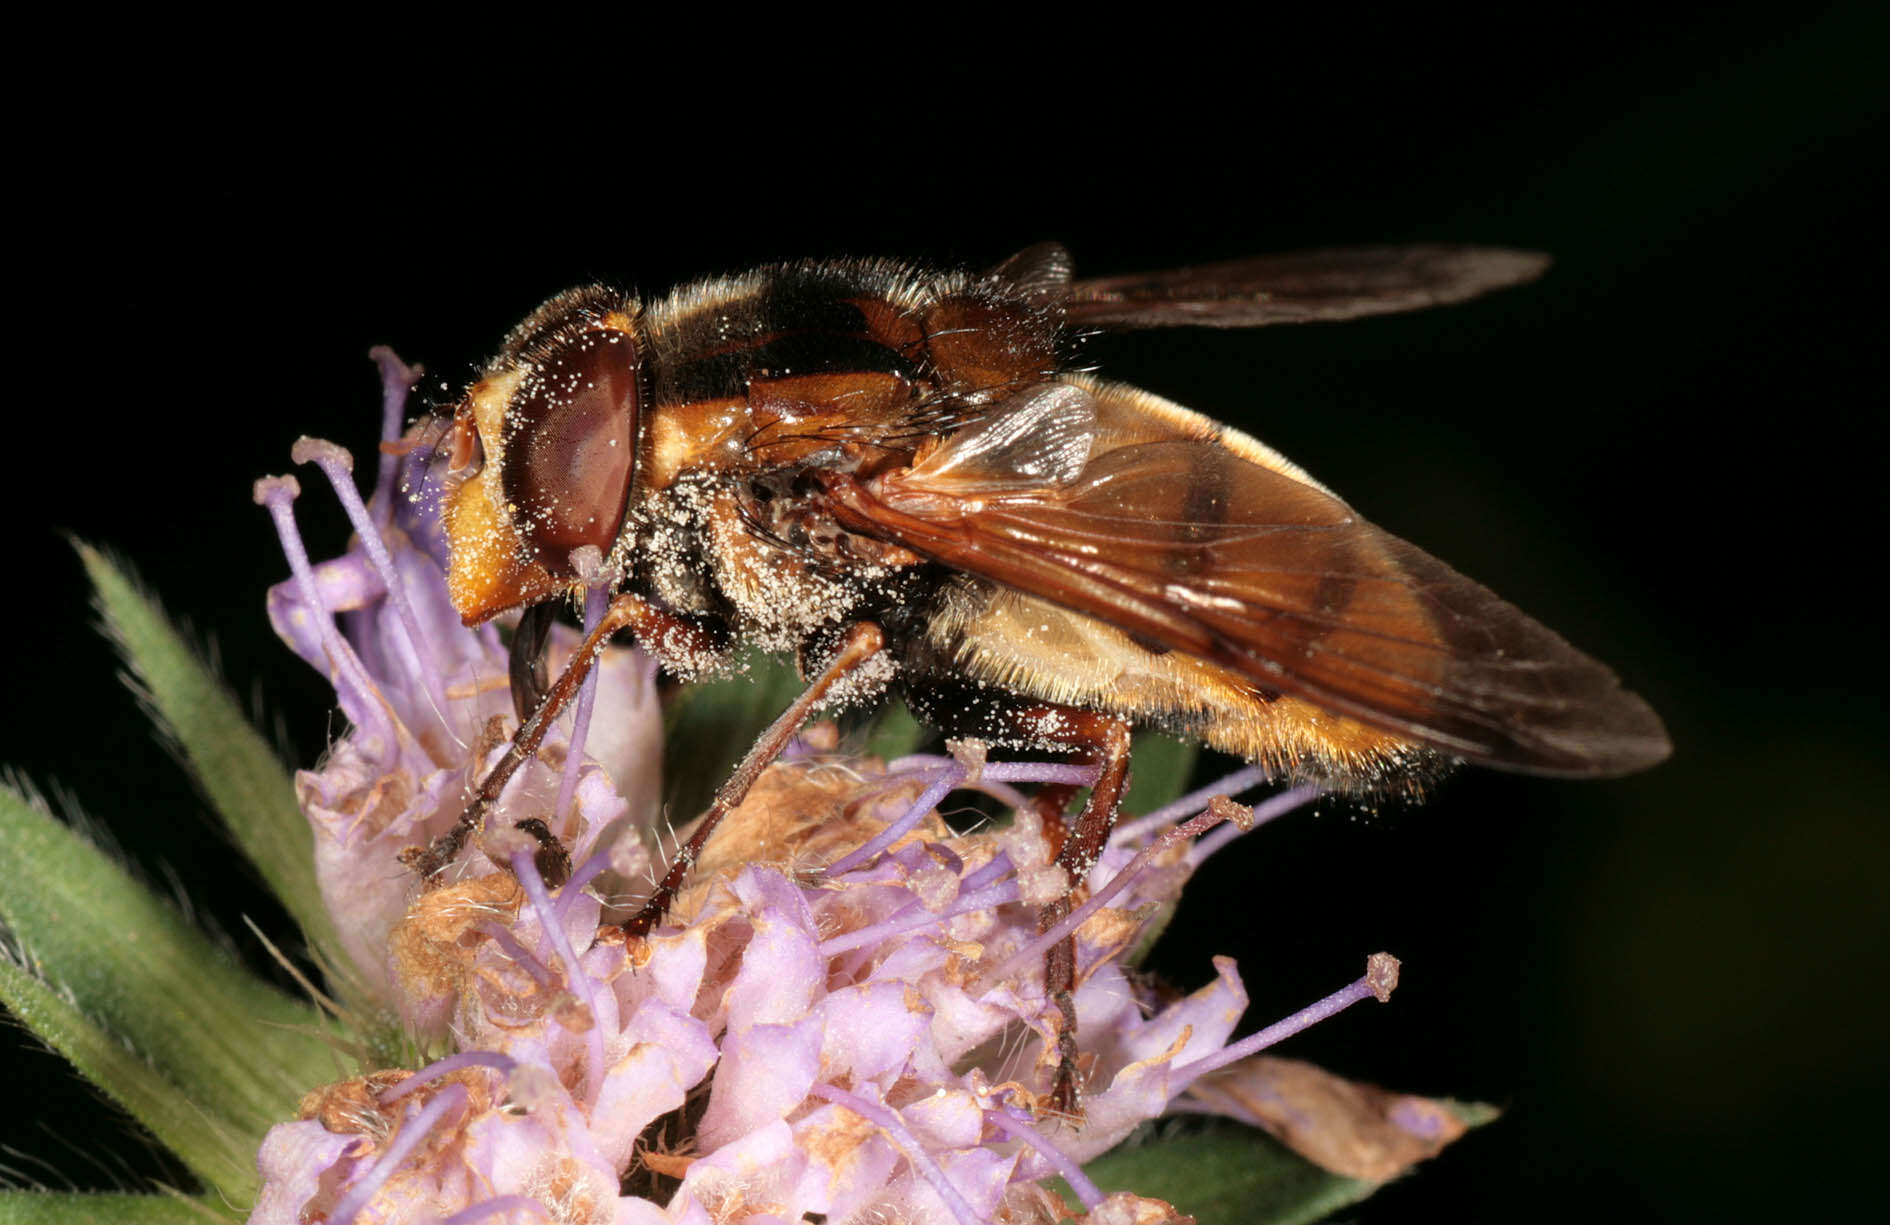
(427, 702)
(846, 1016)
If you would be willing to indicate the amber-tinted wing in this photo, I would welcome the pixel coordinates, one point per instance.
(1300, 287)
(1186, 543)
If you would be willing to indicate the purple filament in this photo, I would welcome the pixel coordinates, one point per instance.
(1072, 1173)
(500, 1063)
(948, 777)
(396, 378)
(278, 494)
(1263, 812)
(1230, 786)
(513, 948)
(569, 892)
(575, 979)
(889, 1122)
(413, 1130)
(1305, 1018)
(596, 600)
(1277, 806)
(952, 774)
(1039, 772)
(1003, 793)
(338, 466)
(985, 899)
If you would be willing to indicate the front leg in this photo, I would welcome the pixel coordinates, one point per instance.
(862, 642)
(661, 632)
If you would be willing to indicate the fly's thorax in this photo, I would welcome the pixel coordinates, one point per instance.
(789, 570)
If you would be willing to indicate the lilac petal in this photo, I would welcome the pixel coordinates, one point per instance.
(688, 1210)
(766, 1071)
(852, 1158)
(765, 1169)
(1055, 1158)
(413, 1130)
(981, 1175)
(782, 970)
(1137, 1093)
(293, 1161)
(651, 1079)
(872, 1031)
(634, 1210)
(397, 378)
(675, 971)
(946, 1119)
(517, 1206)
(960, 1211)
(1209, 1016)
(547, 1153)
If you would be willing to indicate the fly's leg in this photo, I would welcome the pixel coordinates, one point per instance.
(525, 662)
(626, 611)
(1103, 740)
(1097, 739)
(861, 643)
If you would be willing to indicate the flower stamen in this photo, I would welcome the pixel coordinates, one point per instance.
(277, 495)
(1381, 977)
(338, 466)
(1278, 805)
(888, 1121)
(1219, 809)
(396, 378)
(414, 1129)
(950, 776)
(590, 565)
(984, 899)
(947, 778)
(514, 948)
(1088, 1192)
(495, 1060)
(576, 980)
(1243, 779)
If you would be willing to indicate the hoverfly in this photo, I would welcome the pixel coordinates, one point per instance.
(899, 476)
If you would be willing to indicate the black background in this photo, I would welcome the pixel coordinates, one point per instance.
(1672, 983)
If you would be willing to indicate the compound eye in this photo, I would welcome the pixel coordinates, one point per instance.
(570, 450)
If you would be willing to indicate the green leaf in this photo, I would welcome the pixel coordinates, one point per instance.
(1228, 1175)
(201, 1141)
(249, 788)
(894, 734)
(710, 725)
(1159, 771)
(105, 968)
(107, 1208)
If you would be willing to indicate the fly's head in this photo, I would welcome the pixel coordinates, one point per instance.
(543, 452)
